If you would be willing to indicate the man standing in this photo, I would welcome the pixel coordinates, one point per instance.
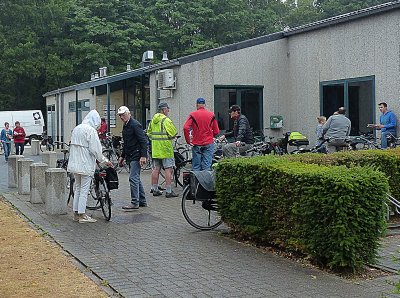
(84, 151)
(161, 131)
(242, 133)
(204, 128)
(388, 124)
(337, 129)
(6, 137)
(19, 138)
(135, 154)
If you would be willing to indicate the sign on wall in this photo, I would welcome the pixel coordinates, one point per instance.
(112, 114)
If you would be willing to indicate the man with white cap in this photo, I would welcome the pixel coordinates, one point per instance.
(161, 131)
(135, 154)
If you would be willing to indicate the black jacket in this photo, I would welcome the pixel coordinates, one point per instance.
(135, 141)
(242, 131)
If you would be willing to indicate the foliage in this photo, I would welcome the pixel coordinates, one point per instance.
(333, 214)
(50, 44)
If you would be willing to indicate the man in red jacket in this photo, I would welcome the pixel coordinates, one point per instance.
(204, 128)
(19, 138)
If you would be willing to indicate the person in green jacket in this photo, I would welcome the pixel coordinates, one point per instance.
(161, 131)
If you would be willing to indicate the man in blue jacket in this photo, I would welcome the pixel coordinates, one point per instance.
(388, 123)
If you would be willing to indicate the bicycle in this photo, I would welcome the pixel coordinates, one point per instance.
(113, 149)
(63, 164)
(199, 206)
(100, 191)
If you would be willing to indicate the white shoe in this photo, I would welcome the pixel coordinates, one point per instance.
(86, 218)
(76, 217)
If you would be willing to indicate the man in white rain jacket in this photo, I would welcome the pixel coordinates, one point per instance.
(84, 151)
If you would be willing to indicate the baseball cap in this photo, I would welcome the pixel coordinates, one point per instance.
(122, 110)
(234, 108)
(201, 101)
(163, 105)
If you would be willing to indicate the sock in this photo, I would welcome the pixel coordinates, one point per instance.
(168, 188)
(154, 187)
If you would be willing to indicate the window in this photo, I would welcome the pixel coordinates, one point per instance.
(248, 98)
(356, 95)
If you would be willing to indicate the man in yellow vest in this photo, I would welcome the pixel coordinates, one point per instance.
(161, 131)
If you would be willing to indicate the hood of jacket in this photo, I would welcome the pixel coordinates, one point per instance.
(158, 118)
(93, 119)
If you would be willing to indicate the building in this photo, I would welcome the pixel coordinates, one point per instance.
(351, 60)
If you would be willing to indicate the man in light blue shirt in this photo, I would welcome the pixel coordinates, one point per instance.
(388, 124)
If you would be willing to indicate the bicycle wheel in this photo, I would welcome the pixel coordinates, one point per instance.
(70, 186)
(105, 200)
(202, 215)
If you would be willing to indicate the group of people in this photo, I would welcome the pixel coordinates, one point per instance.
(17, 135)
(337, 128)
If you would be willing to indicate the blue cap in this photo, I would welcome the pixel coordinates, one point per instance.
(201, 100)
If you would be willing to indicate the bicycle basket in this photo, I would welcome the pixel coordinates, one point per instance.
(111, 178)
(202, 185)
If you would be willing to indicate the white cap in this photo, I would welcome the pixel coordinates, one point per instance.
(123, 110)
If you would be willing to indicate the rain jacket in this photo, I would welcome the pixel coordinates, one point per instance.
(160, 131)
(85, 146)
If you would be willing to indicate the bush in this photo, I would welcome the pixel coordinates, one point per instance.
(333, 214)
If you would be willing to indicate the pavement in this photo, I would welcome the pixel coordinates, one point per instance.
(154, 252)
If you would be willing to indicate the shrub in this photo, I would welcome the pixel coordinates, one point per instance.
(333, 214)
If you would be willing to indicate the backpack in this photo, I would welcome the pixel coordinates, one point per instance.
(111, 178)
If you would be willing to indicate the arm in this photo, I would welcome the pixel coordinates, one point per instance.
(392, 122)
(186, 128)
(242, 126)
(215, 127)
(170, 129)
(139, 133)
(95, 146)
(326, 127)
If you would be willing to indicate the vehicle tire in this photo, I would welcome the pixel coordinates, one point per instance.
(70, 186)
(105, 201)
(32, 137)
(195, 213)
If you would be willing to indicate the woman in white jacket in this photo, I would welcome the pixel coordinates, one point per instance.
(84, 151)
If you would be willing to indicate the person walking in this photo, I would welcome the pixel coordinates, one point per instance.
(387, 124)
(242, 133)
(85, 149)
(336, 129)
(204, 128)
(19, 138)
(6, 137)
(161, 131)
(135, 154)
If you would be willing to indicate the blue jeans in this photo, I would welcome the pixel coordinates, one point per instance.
(202, 157)
(384, 134)
(7, 150)
(19, 148)
(137, 191)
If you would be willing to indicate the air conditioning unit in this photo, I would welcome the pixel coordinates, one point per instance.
(166, 79)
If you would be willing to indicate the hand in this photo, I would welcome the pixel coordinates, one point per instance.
(121, 162)
(221, 138)
(108, 164)
(238, 143)
(142, 161)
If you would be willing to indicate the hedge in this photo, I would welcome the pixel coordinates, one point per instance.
(333, 214)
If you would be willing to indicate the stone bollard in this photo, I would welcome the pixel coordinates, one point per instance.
(38, 185)
(24, 180)
(55, 202)
(35, 147)
(13, 170)
(50, 158)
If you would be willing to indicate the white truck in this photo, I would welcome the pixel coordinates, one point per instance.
(31, 120)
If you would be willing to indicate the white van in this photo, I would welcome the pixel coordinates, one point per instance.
(31, 121)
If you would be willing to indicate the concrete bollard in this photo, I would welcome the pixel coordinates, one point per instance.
(50, 158)
(35, 147)
(13, 170)
(24, 180)
(55, 202)
(38, 185)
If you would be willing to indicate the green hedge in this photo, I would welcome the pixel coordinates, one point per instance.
(333, 214)
(386, 161)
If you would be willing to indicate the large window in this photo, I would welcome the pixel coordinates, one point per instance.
(248, 98)
(356, 95)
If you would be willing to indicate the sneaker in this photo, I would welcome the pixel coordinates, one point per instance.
(76, 216)
(142, 204)
(159, 188)
(86, 218)
(157, 193)
(130, 207)
(171, 195)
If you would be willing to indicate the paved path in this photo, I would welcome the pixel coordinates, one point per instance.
(153, 252)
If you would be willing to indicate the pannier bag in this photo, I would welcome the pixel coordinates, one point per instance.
(179, 160)
(111, 178)
(297, 139)
(202, 185)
